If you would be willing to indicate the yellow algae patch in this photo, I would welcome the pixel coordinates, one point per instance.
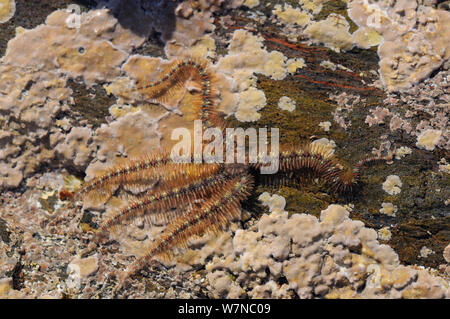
(244, 79)
(245, 41)
(247, 57)
(392, 185)
(425, 252)
(327, 145)
(388, 209)
(428, 139)
(7, 10)
(384, 234)
(286, 103)
(20, 30)
(118, 110)
(246, 52)
(325, 125)
(72, 183)
(402, 152)
(122, 87)
(274, 66)
(290, 15)
(205, 47)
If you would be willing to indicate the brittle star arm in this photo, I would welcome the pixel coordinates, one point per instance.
(158, 204)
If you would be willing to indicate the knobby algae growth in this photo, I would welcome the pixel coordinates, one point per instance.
(7, 10)
(320, 71)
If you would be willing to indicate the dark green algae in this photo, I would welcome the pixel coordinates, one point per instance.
(422, 218)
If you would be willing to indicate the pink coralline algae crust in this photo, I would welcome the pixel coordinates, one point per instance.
(329, 257)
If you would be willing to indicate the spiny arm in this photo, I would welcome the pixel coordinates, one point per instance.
(130, 172)
(311, 161)
(157, 90)
(140, 172)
